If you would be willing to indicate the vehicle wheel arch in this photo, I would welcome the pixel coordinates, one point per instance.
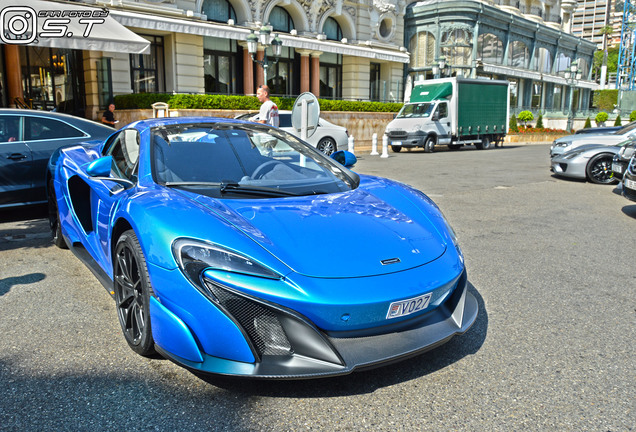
(119, 227)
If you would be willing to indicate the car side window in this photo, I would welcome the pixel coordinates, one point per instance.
(41, 128)
(443, 110)
(10, 128)
(124, 148)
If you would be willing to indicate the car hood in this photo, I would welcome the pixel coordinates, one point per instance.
(604, 139)
(369, 231)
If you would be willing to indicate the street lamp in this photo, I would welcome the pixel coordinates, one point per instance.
(439, 67)
(265, 39)
(572, 77)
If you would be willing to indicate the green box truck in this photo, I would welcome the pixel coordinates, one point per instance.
(453, 112)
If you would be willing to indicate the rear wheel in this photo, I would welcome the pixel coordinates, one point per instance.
(429, 144)
(327, 146)
(599, 169)
(54, 219)
(484, 144)
(396, 149)
(132, 294)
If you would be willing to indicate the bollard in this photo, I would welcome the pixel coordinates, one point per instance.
(351, 144)
(385, 146)
(374, 145)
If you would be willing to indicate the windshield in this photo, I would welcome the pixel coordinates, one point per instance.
(230, 160)
(629, 128)
(416, 110)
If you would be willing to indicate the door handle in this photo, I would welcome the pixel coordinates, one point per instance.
(17, 156)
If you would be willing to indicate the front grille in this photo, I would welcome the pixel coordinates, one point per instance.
(397, 134)
(564, 166)
(259, 322)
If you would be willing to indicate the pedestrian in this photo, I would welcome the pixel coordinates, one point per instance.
(109, 117)
(268, 113)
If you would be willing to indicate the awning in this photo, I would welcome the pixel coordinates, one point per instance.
(66, 25)
(226, 31)
(536, 76)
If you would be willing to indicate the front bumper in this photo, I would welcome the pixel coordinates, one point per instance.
(420, 334)
(629, 186)
(568, 168)
(406, 139)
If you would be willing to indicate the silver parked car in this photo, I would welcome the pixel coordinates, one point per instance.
(328, 137)
(571, 142)
(591, 162)
(27, 140)
(621, 160)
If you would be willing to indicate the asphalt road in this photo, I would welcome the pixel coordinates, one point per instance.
(551, 262)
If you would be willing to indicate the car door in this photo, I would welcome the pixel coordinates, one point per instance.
(16, 168)
(106, 195)
(43, 135)
(443, 123)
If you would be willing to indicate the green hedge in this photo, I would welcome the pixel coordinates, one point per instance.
(221, 102)
(605, 100)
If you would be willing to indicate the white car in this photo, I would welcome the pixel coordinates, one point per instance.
(570, 142)
(328, 137)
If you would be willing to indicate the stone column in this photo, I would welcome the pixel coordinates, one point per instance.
(304, 70)
(315, 73)
(14, 76)
(248, 71)
(260, 75)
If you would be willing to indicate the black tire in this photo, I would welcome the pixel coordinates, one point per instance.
(54, 219)
(396, 149)
(599, 169)
(429, 144)
(132, 294)
(484, 144)
(327, 146)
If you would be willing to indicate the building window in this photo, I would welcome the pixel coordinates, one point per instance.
(374, 82)
(537, 89)
(280, 20)
(562, 64)
(147, 70)
(332, 29)
(220, 65)
(422, 48)
(218, 10)
(557, 97)
(519, 55)
(457, 47)
(330, 76)
(543, 61)
(490, 48)
(279, 75)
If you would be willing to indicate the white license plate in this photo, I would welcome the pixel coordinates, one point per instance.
(407, 307)
(617, 168)
(396, 143)
(630, 184)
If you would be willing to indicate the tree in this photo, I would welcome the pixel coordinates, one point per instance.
(605, 31)
(632, 116)
(525, 117)
(618, 121)
(512, 125)
(539, 122)
(588, 123)
(601, 118)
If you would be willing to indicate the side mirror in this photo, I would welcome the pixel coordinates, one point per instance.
(100, 167)
(345, 158)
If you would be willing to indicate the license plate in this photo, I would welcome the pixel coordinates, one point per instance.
(630, 184)
(617, 168)
(396, 143)
(407, 307)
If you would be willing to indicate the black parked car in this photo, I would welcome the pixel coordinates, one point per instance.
(621, 160)
(629, 180)
(27, 140)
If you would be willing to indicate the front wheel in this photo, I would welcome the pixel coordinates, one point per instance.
(429, 145)
(599, 169)
(133, 293)
(396, 148)
(327, 146)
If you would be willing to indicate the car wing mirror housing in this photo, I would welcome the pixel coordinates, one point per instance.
(345, 158)
(100, 167)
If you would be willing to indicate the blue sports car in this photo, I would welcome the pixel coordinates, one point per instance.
(234, 248)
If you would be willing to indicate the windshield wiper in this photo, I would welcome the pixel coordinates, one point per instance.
(233, 187)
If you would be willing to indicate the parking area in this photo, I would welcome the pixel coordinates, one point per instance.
(550, 261)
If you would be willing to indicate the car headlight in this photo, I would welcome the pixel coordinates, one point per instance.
(194, 257)
(560, 144)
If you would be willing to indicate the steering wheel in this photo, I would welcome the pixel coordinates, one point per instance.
(262, 169)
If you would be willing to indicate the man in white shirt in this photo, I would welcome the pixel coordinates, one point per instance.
(268, 113)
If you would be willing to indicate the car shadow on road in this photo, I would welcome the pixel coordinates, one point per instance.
(369, 381)
(630, 211)
(7, 283)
